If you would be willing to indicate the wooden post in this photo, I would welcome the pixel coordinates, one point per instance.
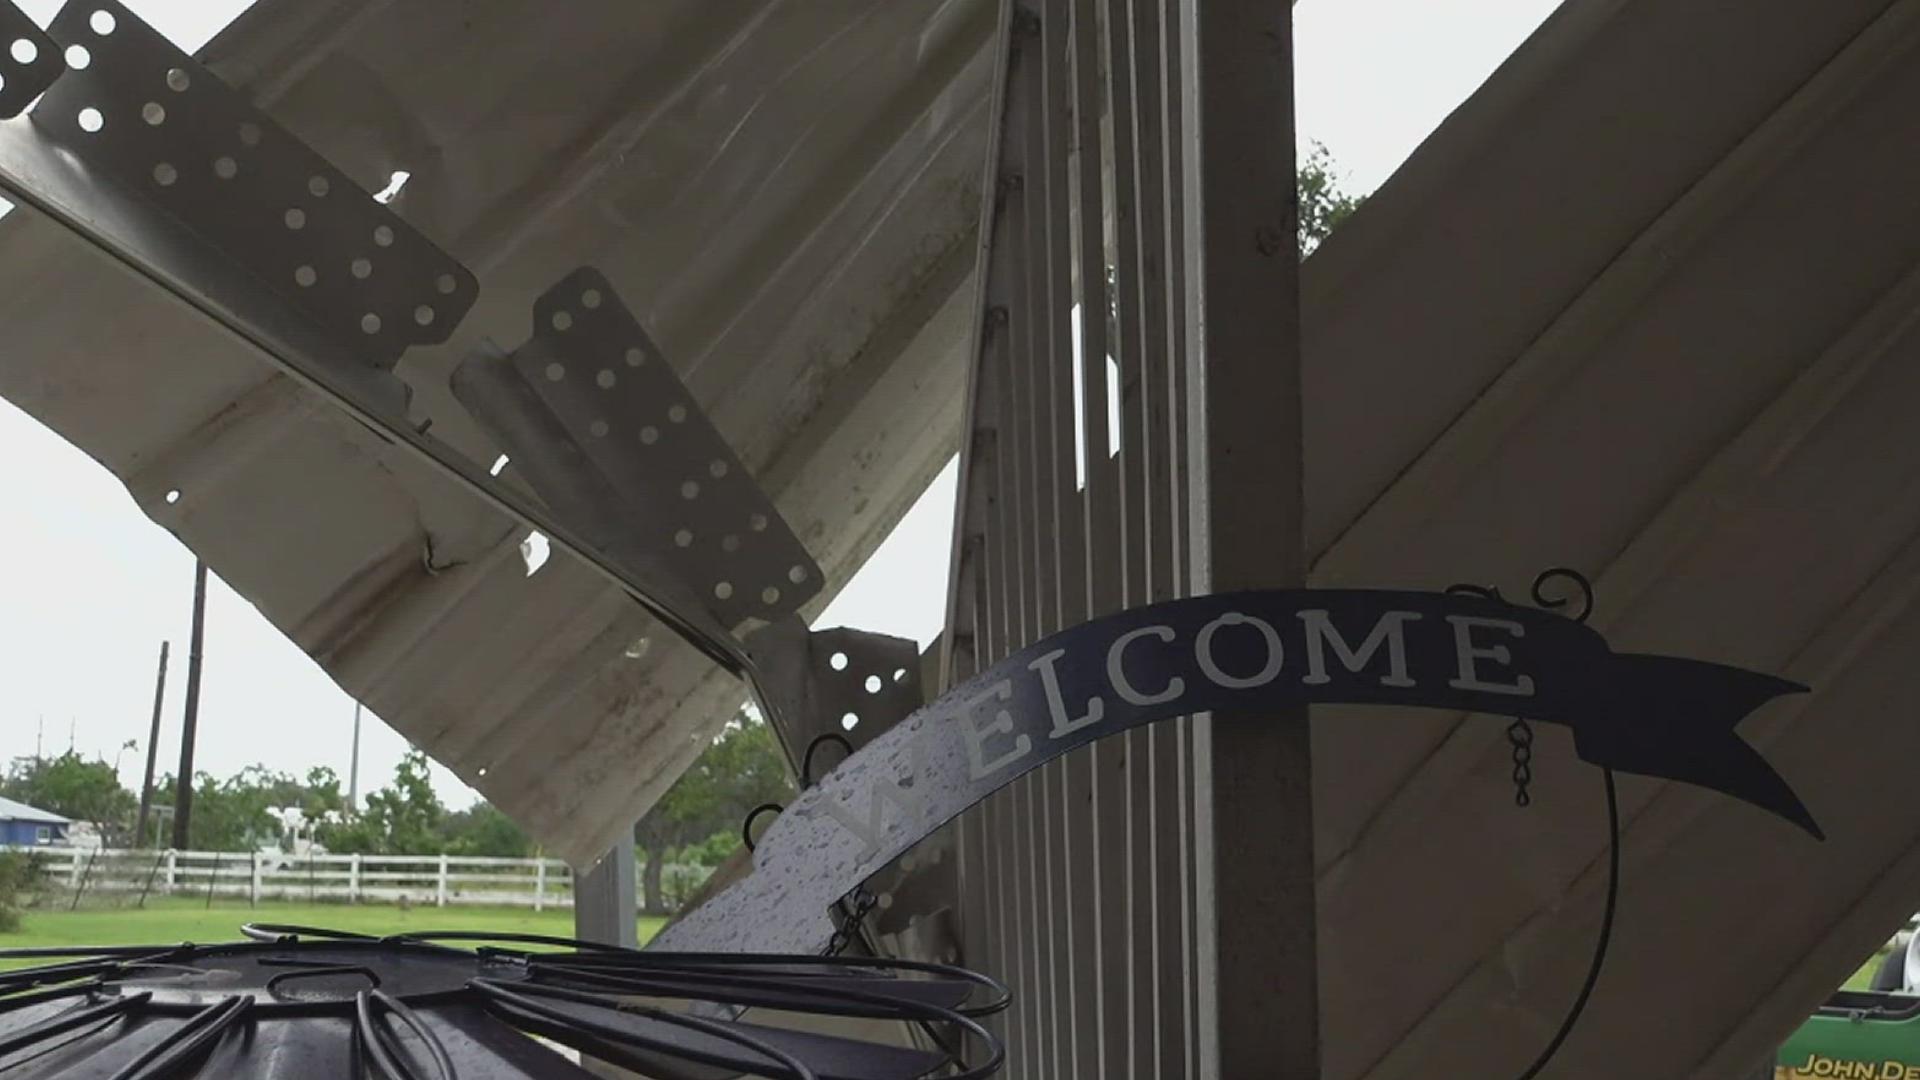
(606, 911)
(605, 900)
(540, 885)
(440, 886)
(173, 869)
(1257, 968)
(81, 886)
(253, 882)
(353, 879)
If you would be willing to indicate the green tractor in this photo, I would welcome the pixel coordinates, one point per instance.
(1871, 1034)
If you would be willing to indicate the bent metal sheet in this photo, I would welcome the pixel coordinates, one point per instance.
(1236, 652)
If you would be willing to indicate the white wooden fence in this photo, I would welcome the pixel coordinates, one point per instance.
(437, 880)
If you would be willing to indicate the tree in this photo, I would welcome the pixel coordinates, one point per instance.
(1323, 206)
(482, 830)
(403, 818)
(237, 814)
(322, 795)
(73, 787)
(742, 769)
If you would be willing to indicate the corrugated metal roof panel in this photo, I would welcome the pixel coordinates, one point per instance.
(784, 192)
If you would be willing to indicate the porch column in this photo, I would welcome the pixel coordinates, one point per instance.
(606, 911)
(1258, 979)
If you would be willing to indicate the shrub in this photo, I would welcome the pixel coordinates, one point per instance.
(20, 876)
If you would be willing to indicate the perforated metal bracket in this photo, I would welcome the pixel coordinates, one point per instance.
(135, 108)
(863, 680)
(29, 61)
(692, 505)
(851, 683)
(559, 471)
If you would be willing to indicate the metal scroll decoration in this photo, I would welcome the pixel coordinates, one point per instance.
(296, 1002)
(1654, 716)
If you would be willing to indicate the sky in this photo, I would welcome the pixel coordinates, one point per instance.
(91, 586)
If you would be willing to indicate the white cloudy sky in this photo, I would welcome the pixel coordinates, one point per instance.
(91, 586)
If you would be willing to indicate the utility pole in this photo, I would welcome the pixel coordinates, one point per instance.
(183, 782)
(153, 749)
(353, 769)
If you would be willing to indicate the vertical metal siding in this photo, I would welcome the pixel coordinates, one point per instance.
(1077, 880)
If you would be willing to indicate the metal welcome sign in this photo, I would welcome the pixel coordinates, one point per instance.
(1650, 715)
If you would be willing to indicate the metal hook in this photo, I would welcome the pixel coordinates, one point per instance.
(746, 827)
(806, 780)
(806, 760)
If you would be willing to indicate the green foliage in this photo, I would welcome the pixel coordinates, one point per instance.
(698, 819)
(403, 818)
(696, 823)
(240, 812)
(1323, 206)
(680, 882)
(407, 818)
(235, 814)
(321, 794)
(20, 876)
(712, 851)
(482, 830)
(71, 786)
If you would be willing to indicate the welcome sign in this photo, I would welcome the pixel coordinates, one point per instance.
(1237, 652)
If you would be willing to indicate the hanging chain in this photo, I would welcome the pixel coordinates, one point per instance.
(1520, 735)
(843, 935)
(1547, 593)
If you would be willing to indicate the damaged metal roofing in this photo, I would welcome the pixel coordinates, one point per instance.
(784, 194)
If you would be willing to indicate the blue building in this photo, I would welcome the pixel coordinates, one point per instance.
(23, 826)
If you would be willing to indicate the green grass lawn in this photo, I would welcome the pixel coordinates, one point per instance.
(168, 921)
